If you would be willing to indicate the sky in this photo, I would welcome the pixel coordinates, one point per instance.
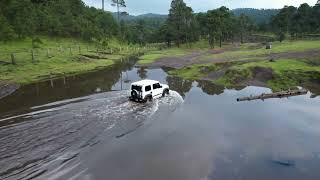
(137, 7)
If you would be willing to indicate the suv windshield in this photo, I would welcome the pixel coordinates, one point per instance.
(137, 88)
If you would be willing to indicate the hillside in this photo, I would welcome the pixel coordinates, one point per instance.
(258, 16)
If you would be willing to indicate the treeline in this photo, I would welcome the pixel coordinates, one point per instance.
(21, 18)
(72, 18)
(218, 25)
(297, 22)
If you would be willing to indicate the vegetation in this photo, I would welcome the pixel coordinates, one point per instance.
(297, 21)
(152, 56)
(56, 57)
(24, 18)
(254, 65)
(41, 38)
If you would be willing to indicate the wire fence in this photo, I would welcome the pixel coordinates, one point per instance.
(34, 55)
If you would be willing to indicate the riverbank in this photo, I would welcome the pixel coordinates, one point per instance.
(57, 56)
(287, 65)
(24, 61)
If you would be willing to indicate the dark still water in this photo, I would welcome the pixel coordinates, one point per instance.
(83, 127)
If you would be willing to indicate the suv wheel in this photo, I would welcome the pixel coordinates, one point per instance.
(165, 92)
(148, 98)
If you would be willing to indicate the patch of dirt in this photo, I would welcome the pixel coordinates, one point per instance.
(262, 73)
(91, 56)
(214, 75)
(7, 89)
(178, 62)
(4, 63)
(189, 59)
(297, 55)
(260, 76)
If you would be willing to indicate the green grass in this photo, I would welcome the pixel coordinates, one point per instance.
(62, 61)
(152, 56)
(283, 65)
(194, 72)
(245, 51)
(289, 72)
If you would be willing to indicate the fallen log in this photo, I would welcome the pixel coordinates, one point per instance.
(281, 94)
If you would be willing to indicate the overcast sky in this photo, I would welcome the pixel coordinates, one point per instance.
(137, 7)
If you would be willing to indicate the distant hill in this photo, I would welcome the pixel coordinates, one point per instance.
(143, 16)
(257, 15)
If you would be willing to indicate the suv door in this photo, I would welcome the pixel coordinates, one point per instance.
(147, 90)
(157, 89)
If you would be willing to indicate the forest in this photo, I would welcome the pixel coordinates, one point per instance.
(29, 18)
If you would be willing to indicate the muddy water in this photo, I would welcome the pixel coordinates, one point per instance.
(83, 127)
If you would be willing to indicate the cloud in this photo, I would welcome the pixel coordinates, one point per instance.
(162, 6)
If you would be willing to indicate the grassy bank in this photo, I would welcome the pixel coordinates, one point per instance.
(152, 56)
(251, 65)
(56, 57)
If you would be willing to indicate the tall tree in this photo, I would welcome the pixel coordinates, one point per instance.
(119, 4)
(244, 25)
(6, 31)
(180, 21)
(219, 23)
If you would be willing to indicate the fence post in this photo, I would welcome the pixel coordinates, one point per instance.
(87, 48)
(33, 57)
(79, 49)
(70, 50)
(111, 51)
(13, 61)
(48, 53)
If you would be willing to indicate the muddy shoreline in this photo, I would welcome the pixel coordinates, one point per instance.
(7, 88)
(197, 58)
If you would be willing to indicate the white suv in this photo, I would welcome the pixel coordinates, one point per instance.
(147, 90)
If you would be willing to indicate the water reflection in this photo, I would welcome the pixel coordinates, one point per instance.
(65, 88)
(210, 88)
(142, 73)
(180, 85)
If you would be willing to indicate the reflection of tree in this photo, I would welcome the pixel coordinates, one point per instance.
(68, 88)
(179, 85)
(210, 88)
(142, 73)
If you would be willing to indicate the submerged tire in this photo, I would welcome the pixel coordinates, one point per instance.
(134, 94)
(165, 92)
(148, 99)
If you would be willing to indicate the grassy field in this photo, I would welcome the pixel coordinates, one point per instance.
(247, 51)
(247, 60)
(56, 57)
(152, 56)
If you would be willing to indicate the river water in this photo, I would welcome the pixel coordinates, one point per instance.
(83, 127)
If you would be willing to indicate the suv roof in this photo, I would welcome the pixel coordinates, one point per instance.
(145, 82)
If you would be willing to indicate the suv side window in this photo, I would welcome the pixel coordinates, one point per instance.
(148, 88)
(156, 86)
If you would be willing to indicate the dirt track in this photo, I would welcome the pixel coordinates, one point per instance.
(196, 58)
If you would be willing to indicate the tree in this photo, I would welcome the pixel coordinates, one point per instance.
(202, 22)
(165, 34)
(244, 25)
(219, 24)
(6, 31)
(141, 32)
(119, 4)
(180, 21)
